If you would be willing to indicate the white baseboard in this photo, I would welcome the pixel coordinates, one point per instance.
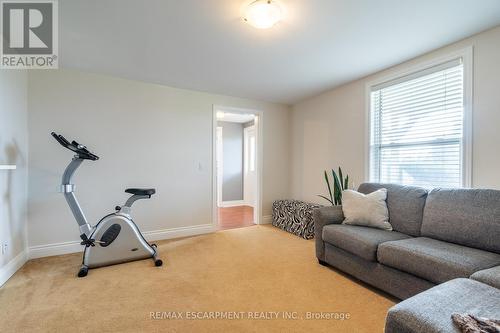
(12, 266)
(178, 232)
(267, 219)
(233, 203)
(55, 249)
(74, 247)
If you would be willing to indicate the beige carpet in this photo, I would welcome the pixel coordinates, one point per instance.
(254, 269)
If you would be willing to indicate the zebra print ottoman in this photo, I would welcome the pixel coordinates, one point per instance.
(295, 217)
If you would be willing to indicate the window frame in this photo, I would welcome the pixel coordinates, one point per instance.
(466, 152)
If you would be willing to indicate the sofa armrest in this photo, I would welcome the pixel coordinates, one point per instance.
(324, 216)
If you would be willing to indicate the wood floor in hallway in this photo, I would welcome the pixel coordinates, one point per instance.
(235, 217)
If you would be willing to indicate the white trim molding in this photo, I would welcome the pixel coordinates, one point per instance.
(12, 267)
(8, 167)
(259, 125)
(467, 55)
(55, 249)
(155, 235)
(178, 232)
(233, 203)
(267, 219)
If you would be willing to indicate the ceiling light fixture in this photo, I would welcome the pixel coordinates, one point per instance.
(263, 14)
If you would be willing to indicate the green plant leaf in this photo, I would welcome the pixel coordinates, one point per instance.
(341, 179)
(336, 181)
(346, 186)
(334, 194)
(322, 196)
(337, 189)
(329, 187)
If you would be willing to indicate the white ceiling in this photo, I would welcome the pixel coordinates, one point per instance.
(204, 44)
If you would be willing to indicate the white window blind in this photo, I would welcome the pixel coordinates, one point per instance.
(417, 126)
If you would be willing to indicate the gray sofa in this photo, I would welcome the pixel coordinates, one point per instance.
(438, 236)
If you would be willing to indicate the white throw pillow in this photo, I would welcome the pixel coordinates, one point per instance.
(368, 210)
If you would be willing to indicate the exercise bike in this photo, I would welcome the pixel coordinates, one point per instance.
(115, 238)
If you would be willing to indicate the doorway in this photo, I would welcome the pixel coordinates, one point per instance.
(236, 168)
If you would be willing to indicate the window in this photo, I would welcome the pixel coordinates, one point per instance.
(417, 128)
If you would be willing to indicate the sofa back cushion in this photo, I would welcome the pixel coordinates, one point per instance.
(464, 216)
(405, 205)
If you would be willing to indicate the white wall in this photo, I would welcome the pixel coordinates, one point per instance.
(13, 183)
(329, 130)
(232, 170)
(146, 135)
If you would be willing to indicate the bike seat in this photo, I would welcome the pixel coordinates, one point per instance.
(141, 191)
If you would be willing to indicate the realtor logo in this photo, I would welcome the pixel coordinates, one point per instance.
(29, 34)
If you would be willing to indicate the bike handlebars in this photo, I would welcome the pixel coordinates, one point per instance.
(74, 146)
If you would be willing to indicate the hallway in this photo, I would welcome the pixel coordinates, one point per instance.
(235, 217)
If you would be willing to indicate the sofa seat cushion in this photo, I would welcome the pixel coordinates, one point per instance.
(435, 260)
(358, 240)
(489, 276)
(431, 310)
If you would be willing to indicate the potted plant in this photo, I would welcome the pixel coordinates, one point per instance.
(339, 184)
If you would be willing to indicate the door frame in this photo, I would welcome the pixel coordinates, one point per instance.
(245, 134)
(219, 171)
(259, 124)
